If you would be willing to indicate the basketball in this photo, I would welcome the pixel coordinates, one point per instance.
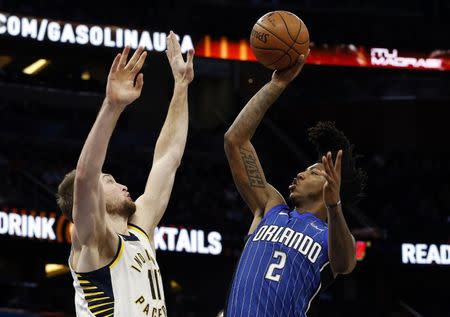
(278, 39)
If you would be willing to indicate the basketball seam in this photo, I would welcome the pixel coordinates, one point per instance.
(273, 34)
(273, 49)
(286, 53)
(294, 40)
(290, 60)
(289, 46)
(296, 50)
(287, 29)
(299, 31)
(268, 48)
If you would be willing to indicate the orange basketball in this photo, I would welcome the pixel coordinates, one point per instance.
(278, 39)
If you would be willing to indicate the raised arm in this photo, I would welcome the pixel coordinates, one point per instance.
(245, 167)
(89, 208)
(170, 145)
(341, 244)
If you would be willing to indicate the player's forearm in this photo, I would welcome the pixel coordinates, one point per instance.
(341, 245)
(172, 138)
(244, 126)
(93, 153)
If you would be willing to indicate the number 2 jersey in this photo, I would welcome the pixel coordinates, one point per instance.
(279, 272)
(130, 285)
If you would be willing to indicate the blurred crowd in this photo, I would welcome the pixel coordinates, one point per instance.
(407, 197)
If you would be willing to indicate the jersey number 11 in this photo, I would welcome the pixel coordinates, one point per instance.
(154, 283)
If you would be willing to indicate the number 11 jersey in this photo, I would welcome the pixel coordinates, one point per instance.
(279, 272)
(130, 285)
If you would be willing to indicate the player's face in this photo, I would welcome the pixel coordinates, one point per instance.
(117, 197)
(307, 185)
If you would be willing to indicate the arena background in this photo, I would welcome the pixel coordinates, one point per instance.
(396, 112)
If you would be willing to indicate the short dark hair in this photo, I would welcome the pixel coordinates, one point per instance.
(64, 197)
(327, 138)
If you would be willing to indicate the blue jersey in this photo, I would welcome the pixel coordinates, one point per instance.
(279, 272)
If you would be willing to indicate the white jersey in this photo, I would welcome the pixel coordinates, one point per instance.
(130, 286)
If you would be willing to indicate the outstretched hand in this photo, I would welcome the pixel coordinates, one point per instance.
(285, 76)
(183, 72)
(123, 86)
(332, 174)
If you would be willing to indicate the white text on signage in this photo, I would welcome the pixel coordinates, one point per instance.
(422, 253)
(383, 57)
(82, 34)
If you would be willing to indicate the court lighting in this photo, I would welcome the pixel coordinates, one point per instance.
(52, 269)
(85, 75)
(36, 67)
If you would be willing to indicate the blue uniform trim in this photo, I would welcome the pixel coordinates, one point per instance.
(97, 291)
(274, 209)
(130, 237)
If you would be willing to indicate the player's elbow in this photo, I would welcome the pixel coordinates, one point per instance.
(80, 173)
(349, 268)
(230, 140)
(344, 266)
(86, 170)
(82, 176)
(173, 159)
(170, 161)
(86, 179)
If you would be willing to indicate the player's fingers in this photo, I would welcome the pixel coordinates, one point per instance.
(139, 82)
(124, 57)
(330, 160)
(299, 65)
(175, 43)
(338, 164)
(190, 57)
(325, 164)
(330, 168)
(301, 59)
(115, 63)
(169, 45)
(133, 60)
(169, 58)
(140, 62)
(331, 164)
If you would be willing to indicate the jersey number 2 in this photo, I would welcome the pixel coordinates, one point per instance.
(281, 262)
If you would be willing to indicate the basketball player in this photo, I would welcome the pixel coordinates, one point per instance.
(287, 252)
(113, 260)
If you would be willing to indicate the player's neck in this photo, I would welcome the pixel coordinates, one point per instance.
(317, 208)
(118, 223)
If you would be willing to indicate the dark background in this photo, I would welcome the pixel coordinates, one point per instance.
(397, 119)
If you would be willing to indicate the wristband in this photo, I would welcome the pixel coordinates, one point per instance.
(333, 206)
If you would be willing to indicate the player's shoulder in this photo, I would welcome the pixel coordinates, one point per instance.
(277, 210)
(141, 234)
(313, 220)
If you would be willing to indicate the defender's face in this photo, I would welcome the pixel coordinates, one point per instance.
(112, 189)
(307, 184)
(117, 197)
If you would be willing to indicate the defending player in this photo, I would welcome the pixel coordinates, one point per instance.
(288, 251)
(113, 260)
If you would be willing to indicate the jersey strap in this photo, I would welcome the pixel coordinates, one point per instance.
(139, 230)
